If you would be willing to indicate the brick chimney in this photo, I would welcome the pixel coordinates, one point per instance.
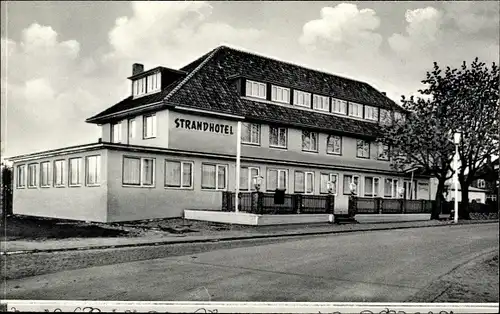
(137, 68)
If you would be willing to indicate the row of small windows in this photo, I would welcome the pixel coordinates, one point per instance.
(140, 171)
(250, 134)
(62, 172)
(148, 84)
(148, 128)
(319, 102)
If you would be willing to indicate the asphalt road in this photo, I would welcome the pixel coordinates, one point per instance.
(380, 266)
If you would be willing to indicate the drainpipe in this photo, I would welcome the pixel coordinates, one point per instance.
(238, 157)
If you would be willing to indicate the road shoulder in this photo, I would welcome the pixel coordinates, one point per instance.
(476, 281)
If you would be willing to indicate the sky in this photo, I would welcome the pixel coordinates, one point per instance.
(63, 62)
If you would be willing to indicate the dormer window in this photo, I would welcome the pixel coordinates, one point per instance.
(256, 89)
(302, 99)
(153, 82)
(147, 84)
(355, 110)
(280, 94)
(339, 106)
(321, 103)
(139, 86)
(371, 113)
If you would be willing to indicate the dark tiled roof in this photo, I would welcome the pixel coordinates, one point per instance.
(314, 120)
(131, 102)
(291, 75)
(207, 87)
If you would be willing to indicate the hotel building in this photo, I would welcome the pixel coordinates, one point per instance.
(171, 144)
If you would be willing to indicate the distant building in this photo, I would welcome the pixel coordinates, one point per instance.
(482, 190)
(171, 145)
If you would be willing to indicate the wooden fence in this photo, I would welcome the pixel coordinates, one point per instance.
(269, 203)
(368, 205)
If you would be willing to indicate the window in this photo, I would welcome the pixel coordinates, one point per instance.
(280, 94)
(148, 171)
(385, 117)
(324, 179)
(213, 176)
(491, 197)
(75, 171)
(371, 113)
(372, 186)
(302, 99)
(362, 149)
(388, 188)
(246, 178)
(149, 129)
(277, 179)
(93, 170)
(32, 176)
(321, 103)
(139, 86)
(277, 137)
(138, 171)
(304, 182)
(250, 133)
(391, 188)
(59, 173)
(395, 187)
(256, 89)
(339, 106)
(179, 174)
(309, 141)
(116, 132)
(383, 151)
(348, 179)
(154, 82)
(481, 183)
(131, 128)
(131, 171)
(150, 83)
(355, 110)
(334, 145)
(44, 174)
(21, 176)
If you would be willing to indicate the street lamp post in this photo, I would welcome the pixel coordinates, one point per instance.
(456, 138)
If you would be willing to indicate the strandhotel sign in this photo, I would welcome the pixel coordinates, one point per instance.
(219, 128)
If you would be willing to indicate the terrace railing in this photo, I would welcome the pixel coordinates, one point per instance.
(267, 203)
(369, 205)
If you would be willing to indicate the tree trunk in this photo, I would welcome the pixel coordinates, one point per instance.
(436, 210)
(463, 209)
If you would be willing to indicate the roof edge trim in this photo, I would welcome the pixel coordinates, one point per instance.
(213, 113)
(123, 112)
(45, 153)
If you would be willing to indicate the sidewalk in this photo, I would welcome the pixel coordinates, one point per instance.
(11, 247)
